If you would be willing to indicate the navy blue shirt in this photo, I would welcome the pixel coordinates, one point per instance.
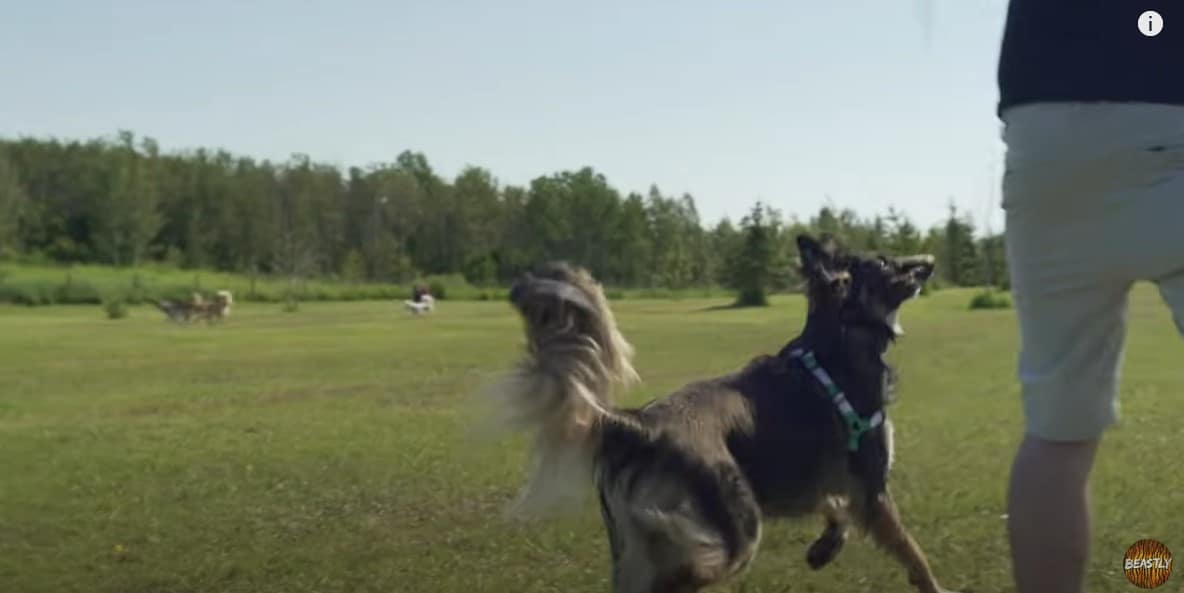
(1091, 50)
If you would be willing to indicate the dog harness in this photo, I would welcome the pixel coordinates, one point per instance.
(856, 424)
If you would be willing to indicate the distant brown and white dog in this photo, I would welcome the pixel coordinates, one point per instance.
(217, 308)
(197, 308)
(685, 482)
(176, 311)
(182, 311)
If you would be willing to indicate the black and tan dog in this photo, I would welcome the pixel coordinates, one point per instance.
(685, 481)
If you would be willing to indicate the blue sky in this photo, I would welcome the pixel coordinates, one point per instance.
(784, 101)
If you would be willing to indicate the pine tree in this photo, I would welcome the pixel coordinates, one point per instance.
(755, 267)
(13, 206)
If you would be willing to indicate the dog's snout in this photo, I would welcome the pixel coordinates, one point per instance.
(919, 267)
(923, 271)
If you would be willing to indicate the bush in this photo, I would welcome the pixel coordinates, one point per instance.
(174, 292)
(291, 303)
(318, 294)
(659, 293)
(35, 257)
(33, 294)
(438, 290)
(990, 299)
(138, 292)
(265, 295)
(481, 271)
(752, 298)
(13, 294)
(88, 284)
(444, 287)
(77, 292)
(115, 308)
(353, 269)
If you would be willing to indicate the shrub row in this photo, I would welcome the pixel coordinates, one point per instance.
(42, 289)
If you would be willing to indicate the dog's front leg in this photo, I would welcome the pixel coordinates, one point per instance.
(889, 532)
(830, 542)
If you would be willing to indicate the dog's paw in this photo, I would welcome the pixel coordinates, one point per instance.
(823, 551)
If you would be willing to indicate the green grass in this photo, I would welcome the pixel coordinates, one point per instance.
(329, 450)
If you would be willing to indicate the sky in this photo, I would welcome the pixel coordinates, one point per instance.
(862, 104)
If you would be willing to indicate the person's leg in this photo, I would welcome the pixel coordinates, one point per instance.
(1069, 369)
(1049, 525)
(1071, 308)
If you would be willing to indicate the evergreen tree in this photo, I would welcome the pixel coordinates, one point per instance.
(960, 252)
(14, 207)
(756, 262)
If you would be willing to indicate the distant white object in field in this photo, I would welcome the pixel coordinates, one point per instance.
(426, 303)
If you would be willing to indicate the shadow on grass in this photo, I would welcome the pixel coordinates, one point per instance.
(728, 307)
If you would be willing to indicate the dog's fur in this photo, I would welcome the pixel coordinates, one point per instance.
(685, 481)
(176, 311)
(181, 311)
(197, 308)
(217, 309)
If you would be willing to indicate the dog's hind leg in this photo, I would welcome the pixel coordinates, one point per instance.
(887, 529)
(830, 542)
(613, 531)
(671, 558)
(682, 549)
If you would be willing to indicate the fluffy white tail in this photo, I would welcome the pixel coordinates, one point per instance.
(563, 390)
(563, 418)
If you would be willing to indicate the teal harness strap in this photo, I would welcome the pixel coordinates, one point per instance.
(856, 424)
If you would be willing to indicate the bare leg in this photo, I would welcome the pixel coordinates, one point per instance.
(1049, 519)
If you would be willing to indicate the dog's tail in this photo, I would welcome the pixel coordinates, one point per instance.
(166, 307)
(562, 391)
(171, 309)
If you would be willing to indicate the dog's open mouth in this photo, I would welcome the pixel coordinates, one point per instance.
(887, 283)
(917, 270)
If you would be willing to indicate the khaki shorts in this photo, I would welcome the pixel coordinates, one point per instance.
(1094, 201)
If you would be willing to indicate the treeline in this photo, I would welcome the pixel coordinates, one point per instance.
(122, 201)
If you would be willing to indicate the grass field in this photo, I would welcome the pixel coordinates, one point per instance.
(329, 450)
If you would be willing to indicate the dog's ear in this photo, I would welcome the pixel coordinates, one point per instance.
(810, 252)
(818, 256)
(823, 263)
